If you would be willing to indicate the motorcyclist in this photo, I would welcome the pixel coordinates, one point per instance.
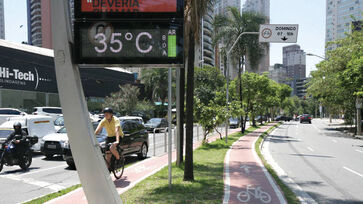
(18, 137)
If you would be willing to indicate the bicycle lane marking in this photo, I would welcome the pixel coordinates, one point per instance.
(252, 186)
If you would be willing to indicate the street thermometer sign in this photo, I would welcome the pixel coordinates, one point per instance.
(103, 42)
(279, 33)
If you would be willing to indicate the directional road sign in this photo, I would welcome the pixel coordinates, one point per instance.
(279, 33)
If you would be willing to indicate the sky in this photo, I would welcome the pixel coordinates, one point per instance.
(309, 14)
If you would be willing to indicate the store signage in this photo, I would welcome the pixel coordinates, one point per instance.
(129, 43)
(123, 8)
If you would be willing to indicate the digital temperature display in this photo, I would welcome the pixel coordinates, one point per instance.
(127, 42)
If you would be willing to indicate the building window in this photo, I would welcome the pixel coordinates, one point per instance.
(351, 8)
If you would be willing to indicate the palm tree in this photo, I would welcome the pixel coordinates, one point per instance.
(193, 12)
(228, 28)
(156, 83)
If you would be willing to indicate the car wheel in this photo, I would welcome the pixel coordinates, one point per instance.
(143, 152)
(48, 156)
(71, 165)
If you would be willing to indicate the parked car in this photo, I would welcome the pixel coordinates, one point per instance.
(233, 123)
(6, 113)
(34, 125)
(261, 119)
(297, 118)
(132, 118)
(53, 112)
(135, 141)
(156, 123)
(305, 118)
(283, 118)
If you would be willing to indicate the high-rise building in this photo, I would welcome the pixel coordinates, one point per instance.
(2, 20)
(205, 53)
(39, 22)
(294, 61)
(221, 6)
(278, 73)
(261, 7)
(339, 19)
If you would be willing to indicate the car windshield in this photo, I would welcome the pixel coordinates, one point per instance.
(154, 120)
(233, 120)
(53, 110)
(62, 130)
(5, 133)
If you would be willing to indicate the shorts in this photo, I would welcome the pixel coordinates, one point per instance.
(110, 141)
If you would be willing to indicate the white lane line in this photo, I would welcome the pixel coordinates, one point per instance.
(311, 149)
(334, 141)
(352, 171)
(35, 172)
(303, 197)
(31, 181)
(359, 151)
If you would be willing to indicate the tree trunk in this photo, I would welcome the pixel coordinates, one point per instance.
(243, 127)
(188, 170)
(181, 126)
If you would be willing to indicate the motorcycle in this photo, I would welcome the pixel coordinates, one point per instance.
(9, 157)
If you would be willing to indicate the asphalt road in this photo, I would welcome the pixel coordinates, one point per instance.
(324, 163)
(48, 176)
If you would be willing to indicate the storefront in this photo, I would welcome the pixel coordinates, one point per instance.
(27, 78)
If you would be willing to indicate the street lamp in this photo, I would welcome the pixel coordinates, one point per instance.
(227, 72)
(314, 55)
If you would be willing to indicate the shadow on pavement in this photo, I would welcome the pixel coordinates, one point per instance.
(311, 155)
(19, 170)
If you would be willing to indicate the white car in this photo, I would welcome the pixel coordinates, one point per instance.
(34, 125)
(6, 113)
(53, 144)
(132, 118)
(59, 123)
(53, 112)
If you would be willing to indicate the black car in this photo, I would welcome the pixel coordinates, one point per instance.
(135, 141)
(305, 118)
(283, 118)
(156, 123)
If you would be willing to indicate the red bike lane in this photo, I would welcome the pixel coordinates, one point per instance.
(131, 176)
(246, 179)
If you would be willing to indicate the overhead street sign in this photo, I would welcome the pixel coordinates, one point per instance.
(279, 33)
(128, 8)
(103, 42)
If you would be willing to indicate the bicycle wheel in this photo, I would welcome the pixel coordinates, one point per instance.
(118, 167)
(243, 196)
(265, 197)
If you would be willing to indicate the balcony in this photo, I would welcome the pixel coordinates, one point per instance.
(36, 28)
(35, 5)
(35, 11)
(36, 17)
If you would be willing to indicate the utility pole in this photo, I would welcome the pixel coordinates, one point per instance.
(358, 105)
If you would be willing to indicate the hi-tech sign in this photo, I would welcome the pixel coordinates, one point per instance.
(129, 32)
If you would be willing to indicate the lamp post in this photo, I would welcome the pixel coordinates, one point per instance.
(227, 73)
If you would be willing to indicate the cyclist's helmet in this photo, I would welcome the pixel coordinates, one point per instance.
(108, 110)
(17, 126)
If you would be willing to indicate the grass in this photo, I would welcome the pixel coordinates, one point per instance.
(208, 186)
(53, 195)
(129, 161)
(289, 195)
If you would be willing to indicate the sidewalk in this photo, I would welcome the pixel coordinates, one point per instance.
(132, 175)
(246, 179)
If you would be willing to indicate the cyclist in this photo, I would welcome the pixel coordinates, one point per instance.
(114, 132)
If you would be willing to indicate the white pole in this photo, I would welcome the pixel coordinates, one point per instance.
(169, 128)
(95, 178)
